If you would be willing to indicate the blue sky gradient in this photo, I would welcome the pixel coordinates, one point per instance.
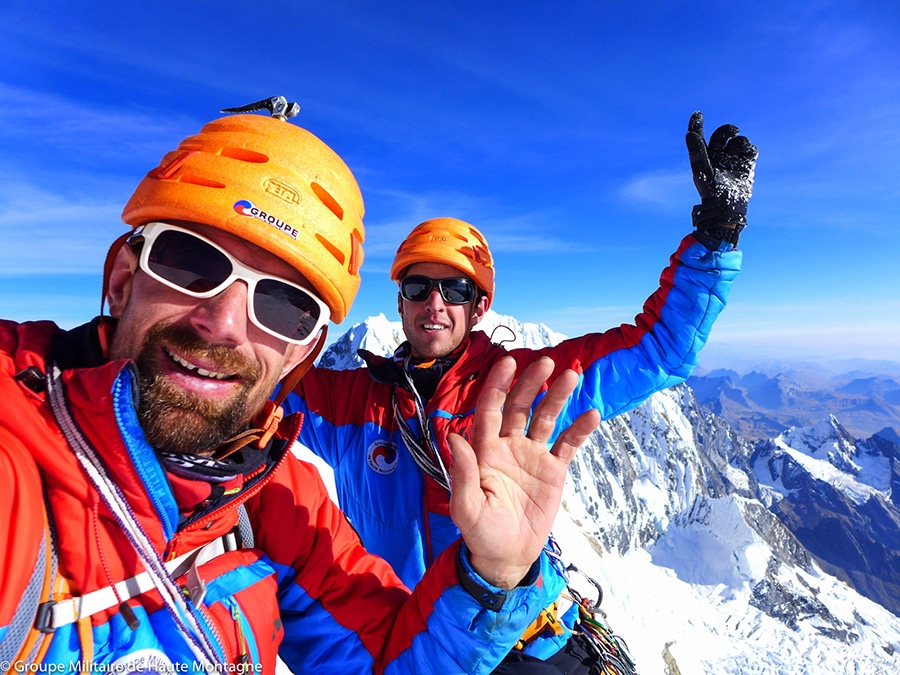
(556, 128)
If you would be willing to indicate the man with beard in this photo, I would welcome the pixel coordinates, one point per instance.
(385, 429)
(155, 519)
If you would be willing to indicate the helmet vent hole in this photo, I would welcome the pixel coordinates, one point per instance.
(332, 249)
(203, 181)
(356, 252)
(244, 155)
(329, 201)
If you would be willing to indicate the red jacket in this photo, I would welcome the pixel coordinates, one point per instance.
(307, 589)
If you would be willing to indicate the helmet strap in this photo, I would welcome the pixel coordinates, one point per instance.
(104, 336)
(271, 415)
(266, 423)
(292, 378)
(474, 318)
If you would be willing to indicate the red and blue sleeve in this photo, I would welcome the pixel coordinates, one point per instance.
(335, 598)
(622, 367)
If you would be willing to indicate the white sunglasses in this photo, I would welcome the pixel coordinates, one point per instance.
(190, 263)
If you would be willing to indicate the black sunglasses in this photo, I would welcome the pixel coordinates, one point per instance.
(454, 290)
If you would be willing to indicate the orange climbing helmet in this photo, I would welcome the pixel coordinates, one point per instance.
(271, 183)
(452, 242)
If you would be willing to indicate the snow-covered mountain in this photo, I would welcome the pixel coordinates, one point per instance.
(841, 498)
(670, 508)
(684, 524)
(380, 336)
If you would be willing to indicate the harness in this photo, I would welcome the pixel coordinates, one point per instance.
(609, 651)
(424, 452)
(396, 372)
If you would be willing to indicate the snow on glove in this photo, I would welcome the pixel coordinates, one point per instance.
(723, 173)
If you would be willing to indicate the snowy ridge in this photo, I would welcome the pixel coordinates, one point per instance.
(513, 334)
(380, 336)
(829, 454)
(841, 497)
(376, 334)
(684, 525)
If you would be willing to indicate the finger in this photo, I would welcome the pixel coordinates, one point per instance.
(697, 154)
(740, 146)
(466, 496)
(695, 125)
(720, 137)
(575, 435)
(543, 420)
(517, 408)
(491, 400)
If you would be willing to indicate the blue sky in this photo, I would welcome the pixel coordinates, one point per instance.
(556, 128)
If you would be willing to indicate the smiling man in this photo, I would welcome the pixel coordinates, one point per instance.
(154, 518)
(202, 376)
(405, 408)
(433, 327)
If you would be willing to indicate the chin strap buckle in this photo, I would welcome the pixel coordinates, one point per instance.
(270, 418)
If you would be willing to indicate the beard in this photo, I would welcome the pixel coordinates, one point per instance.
(179, 421)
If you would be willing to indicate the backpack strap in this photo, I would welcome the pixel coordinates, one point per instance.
(17, 633)
(244, 528)
(55, 614)
(22, 643)
(201, 640)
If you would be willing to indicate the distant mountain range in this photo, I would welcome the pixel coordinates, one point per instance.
(762, 405)
(725, 552)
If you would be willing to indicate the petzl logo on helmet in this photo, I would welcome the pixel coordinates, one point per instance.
(282, 190)
(382, 456)
(248, 208)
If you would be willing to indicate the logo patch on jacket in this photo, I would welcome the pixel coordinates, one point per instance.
(382, 456)
(142, 661)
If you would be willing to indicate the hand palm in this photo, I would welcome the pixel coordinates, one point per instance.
(507, 490)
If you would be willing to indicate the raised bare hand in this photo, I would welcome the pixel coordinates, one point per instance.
(507, 487)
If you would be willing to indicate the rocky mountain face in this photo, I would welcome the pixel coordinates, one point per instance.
(376, 334)
(718, 553)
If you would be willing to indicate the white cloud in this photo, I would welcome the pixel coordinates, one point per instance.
(668, 191)
(42, 232)
(519, 233)
(91, 132)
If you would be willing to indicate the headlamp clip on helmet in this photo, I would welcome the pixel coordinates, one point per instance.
(277, 106)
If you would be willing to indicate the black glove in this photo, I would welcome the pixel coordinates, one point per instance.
(723, 174)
